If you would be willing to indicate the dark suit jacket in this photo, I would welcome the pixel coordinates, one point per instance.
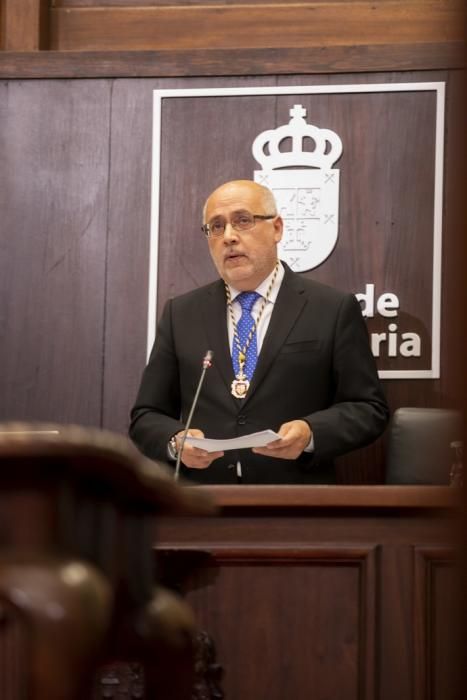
(315, 364)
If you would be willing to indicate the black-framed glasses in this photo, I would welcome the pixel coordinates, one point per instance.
(241, 221)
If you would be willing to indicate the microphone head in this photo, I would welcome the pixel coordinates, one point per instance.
(207, 359)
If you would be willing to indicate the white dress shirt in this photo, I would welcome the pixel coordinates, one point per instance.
(266, 315)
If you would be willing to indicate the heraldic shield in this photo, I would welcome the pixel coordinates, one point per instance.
(307, 196)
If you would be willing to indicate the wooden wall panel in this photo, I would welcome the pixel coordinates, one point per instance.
(53, 199)
(223, 26)
(128, 246)
(454, 246)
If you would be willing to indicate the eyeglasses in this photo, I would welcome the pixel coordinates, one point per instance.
(243, 221)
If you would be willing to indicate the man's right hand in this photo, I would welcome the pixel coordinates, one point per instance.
(194, 457)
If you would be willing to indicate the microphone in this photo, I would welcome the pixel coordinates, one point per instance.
(207, 362)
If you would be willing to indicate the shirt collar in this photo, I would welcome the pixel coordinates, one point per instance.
(264, 286)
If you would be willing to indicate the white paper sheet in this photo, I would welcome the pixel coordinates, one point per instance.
(252, 440)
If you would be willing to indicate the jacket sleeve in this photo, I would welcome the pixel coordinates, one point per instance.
(359, 412)
(155, 416)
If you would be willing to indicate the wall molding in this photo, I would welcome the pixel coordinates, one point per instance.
(222, 62)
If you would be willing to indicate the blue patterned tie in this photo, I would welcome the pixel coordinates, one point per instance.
(244, 326)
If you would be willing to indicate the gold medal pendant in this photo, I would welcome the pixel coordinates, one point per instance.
(240, 386)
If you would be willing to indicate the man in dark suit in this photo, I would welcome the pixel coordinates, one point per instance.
(297, 362)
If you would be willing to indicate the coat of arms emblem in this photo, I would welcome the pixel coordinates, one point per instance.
(305, 185)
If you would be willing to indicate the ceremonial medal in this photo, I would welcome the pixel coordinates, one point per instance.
(240, 386)
(241, 383)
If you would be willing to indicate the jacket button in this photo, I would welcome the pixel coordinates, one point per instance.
(241, 420)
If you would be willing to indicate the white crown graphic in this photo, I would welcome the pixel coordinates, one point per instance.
(327, 144)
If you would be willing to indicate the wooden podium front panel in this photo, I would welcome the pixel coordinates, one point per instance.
(438, 635)
(335, 592)
(288, 617)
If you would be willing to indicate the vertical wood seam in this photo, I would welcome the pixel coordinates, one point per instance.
(106, 260)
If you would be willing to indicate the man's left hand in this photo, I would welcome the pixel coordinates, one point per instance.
(295, 436)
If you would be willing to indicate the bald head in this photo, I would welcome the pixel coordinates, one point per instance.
(262, 194)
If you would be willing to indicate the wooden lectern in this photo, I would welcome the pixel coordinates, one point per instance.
(77, 586)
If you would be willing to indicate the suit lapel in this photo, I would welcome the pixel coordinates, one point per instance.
(287, 308)
(215, 323)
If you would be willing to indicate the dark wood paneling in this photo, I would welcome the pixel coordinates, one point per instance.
(53, 192)
(218, 62)
(304, 24)
(454, 247)
(128, 247)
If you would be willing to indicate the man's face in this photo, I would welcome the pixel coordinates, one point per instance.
(243, 258)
